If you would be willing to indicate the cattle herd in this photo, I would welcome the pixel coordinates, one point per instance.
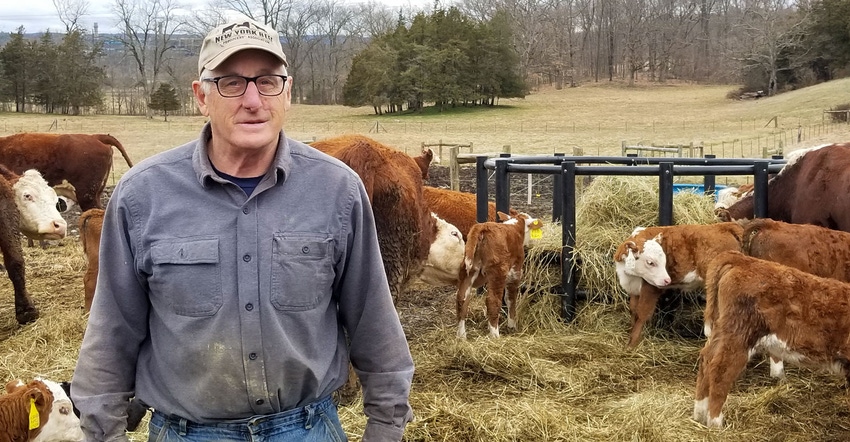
(779, 285)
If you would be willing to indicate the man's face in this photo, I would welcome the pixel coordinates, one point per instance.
(251, 121)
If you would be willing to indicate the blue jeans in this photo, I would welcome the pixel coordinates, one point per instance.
(317, 422)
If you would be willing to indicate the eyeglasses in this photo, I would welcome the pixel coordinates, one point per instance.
(231, 86)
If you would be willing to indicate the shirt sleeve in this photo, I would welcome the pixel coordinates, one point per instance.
(378, 348)
(104, 376)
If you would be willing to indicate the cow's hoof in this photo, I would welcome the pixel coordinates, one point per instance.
(27, 316)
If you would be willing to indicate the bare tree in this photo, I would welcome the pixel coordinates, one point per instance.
(149, 28)
(773, 34)
(70, 12)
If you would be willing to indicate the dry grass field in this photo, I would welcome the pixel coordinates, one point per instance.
(547, 381)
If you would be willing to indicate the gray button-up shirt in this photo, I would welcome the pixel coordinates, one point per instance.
(212, 305)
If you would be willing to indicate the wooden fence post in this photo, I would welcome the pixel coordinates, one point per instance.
(454, 168)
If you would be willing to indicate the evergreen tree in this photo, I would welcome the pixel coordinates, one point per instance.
(443, 58)
(164, 99)
(18, 69)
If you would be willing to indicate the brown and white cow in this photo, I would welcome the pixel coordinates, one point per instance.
(458, 208)
(654, 259)
(83, 160)
(494, 256)
(90, 224)
(393, 181)
(28, 205)
(24, 410)
(63, 425)
(810, 189)
(445, 256)
(762, 305)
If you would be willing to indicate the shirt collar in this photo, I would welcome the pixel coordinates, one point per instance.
(281, 165)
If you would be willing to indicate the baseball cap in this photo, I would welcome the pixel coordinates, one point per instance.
(230, 38)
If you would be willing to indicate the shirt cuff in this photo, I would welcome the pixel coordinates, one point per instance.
(380, 432)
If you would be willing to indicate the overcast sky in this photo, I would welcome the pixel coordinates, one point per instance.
(40, 15)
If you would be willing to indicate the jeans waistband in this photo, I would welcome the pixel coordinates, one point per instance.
(254, 423)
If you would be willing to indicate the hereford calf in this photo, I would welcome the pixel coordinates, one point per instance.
(63, 425)
(24, 410)
(682, 250)
(457, 208)
(91, 223)
(793, 315)
(493, 257)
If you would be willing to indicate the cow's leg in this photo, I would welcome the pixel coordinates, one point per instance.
(495, 296)
(512, 288)
(642, 310)
(728, 361)
(701, 394)
(13, 258)
(464, 290)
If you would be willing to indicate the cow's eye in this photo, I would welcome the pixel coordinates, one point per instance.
(650, 263)
(64, 410)
(29, 197)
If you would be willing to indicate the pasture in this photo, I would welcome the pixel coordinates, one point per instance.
(548, 381)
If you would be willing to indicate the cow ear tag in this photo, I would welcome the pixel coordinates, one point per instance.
(35, 420)
(536, 231)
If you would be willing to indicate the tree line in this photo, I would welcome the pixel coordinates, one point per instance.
(472, 52)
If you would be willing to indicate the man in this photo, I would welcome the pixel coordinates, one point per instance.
(239, 274)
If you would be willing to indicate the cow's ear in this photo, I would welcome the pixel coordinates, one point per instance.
(631, 260)
(502, 216)
(624, 250)
(657, 238)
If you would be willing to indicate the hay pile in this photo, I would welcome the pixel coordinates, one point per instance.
(547, 381)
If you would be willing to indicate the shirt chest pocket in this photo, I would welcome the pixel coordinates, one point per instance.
(302, 272)
(187, 275)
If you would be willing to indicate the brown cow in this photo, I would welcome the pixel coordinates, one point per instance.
(685, 252)
(81, 159)
(24, 410)
(91, 224)
(27, 204)
(393, 181)
(810, 189)
(759, 304)
(494, 257)
(458, 208)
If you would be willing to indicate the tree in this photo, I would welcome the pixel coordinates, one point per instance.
(18, 69)
(70, 12)
(149, 28)
(164, 99)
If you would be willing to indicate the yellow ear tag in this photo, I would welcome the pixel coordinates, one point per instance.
(536, 233)
(35, 421)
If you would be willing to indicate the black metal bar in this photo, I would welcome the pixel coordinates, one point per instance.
(665, 194)
(708, 181)
(481, 197)
(760, 189)
(558, 192)
(568, 241)
(503, 186)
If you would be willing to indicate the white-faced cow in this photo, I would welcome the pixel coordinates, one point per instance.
(28, 205)
(81, 159)
(654, 259)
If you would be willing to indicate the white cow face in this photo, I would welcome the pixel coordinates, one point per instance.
(649, 264)
(445, 255)
(36, 202)
(63, 424)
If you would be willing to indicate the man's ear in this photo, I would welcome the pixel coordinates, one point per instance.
(200, 97)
